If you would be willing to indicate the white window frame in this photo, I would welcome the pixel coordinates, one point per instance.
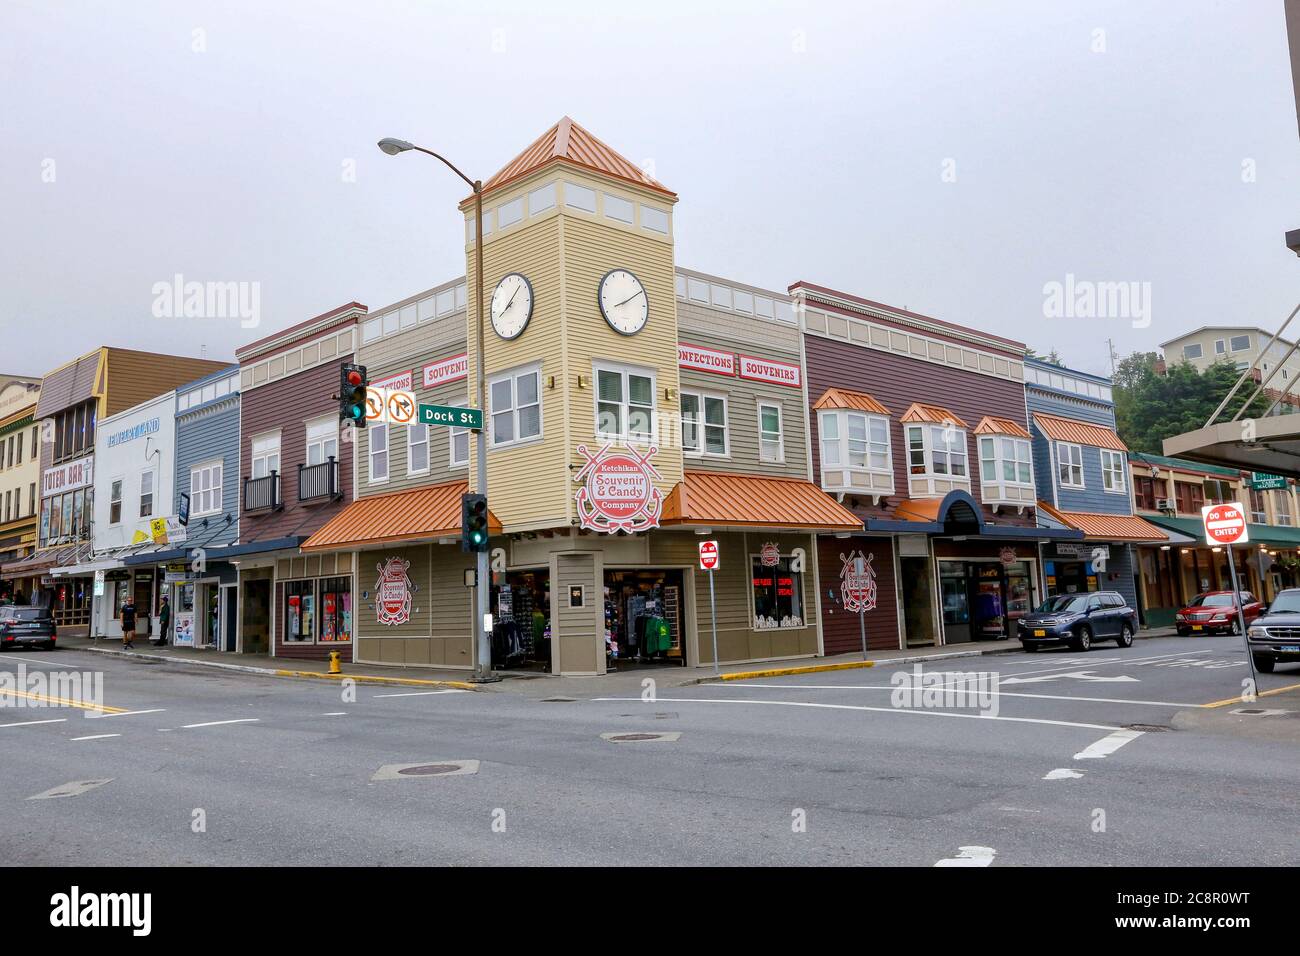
(1239, 348)
(513, 376)
(412, 431)
(1071, 465)
(375, 449)
(928, 432)
(999, 460)
(265, 453)
(118, 484)
(326, 430)
(1220, 347)
(153, 492)
(780, 432)
(1187, 351)
(1114, 464)
(213, 491)
(1282, 507)
(840, 442)
(452, 435)
(624, 403)
(700, 424)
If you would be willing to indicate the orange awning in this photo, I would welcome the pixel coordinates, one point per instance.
(1000, 426)
(1100, 527)
(844, 398)
(933, 414)
(709, 498)
(918, 509)
(1078, 433)
(417, 515)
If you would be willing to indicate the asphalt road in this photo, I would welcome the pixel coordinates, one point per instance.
(813, 769)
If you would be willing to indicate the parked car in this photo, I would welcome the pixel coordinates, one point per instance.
(1215, 612)
(22, 625)
(1080, 620)
(1275, 634)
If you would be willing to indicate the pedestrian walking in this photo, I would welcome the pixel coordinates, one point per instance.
(127, 619)
(164, 621)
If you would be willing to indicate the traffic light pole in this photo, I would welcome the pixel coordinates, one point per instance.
(482, 579)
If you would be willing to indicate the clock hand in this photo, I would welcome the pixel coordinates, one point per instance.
(512, 299)
(628, 299)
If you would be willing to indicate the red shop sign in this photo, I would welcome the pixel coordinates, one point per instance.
(618, 491)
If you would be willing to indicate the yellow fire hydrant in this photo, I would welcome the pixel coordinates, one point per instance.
(335, 659)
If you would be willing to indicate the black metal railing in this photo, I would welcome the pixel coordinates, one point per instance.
(262, 494)
(318, 481)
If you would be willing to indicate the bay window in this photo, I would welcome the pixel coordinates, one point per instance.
(625, 403)
(936, 450)
(704, 424)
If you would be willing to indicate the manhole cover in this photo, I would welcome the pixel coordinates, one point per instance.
(429, 769)
(1148, 728)
(1258, 712)
(636, 738)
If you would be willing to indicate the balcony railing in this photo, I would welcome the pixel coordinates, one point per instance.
(318, 482)
(262, 494)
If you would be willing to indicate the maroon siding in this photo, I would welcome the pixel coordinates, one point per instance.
(896, 382)
(840, 632)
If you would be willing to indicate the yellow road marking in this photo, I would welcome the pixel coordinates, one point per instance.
(64, 701)
(1262, 693)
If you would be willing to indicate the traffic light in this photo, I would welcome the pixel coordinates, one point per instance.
(473, 523)
(352, 394)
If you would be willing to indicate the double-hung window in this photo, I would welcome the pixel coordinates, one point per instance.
(322, 440)
(704, 424)
(625, 403)
(1069, 465)
(266, 454)
(115, 502)
(936, 450)
(417, 449)
(770, 443)
(516, 406)
(205, 489)
(1112, 472)
(146, 494)
(459, 442)
(378, 437)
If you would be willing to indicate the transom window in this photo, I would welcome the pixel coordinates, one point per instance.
(936, 450)
(770, 445)
(1069, 465)
(1112, 472)
(1005, 459)
(625, 400)
(855, 440)
(266, 454)
(205, 489)
(704, 424)
(516, 407)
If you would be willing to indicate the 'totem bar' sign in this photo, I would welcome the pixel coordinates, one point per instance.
(1225, 524)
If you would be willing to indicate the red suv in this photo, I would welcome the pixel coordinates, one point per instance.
(1216, 612)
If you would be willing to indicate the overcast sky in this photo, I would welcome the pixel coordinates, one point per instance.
(953, 158)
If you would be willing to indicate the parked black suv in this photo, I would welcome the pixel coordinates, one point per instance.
(23, 625)
(1275, 635)
(1080, 620)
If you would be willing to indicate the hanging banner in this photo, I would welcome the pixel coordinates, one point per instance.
(618, 490)
(858, 582)
(393, 592)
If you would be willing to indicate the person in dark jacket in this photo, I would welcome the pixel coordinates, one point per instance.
(164, 621)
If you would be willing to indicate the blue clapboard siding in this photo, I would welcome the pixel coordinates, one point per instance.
(205, 433)
(1092, 498)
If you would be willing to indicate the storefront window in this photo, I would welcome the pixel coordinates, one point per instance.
(778, 593)
(299, 610)
(336, 609)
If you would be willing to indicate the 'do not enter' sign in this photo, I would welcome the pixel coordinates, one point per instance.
(1225, 523)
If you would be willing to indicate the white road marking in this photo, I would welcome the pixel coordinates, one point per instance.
(970, 856)
(96, 736)
(1063, 773)
(1107, 745)
(994, 693)
(127, 713)
(72, 789)
(423, 693)
(336, 713)
(219, 723)
(881, 710)
(30, 723)
(1072, 675)
(1073, 662)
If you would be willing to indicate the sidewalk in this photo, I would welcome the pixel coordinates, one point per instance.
(537, 685)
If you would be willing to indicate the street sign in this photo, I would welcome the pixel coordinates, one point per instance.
(708, 555)
(376, 405)
(452, 415)
(400, 407)
(1260, 481)
(1225, 524)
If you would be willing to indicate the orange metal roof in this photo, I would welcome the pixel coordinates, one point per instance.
(918, 509)
(844, 398)
(1099, 527)
(566, 141)
(1000, 426)
(935, 414)
(416, 515)
(727, 500)
(1079, 433)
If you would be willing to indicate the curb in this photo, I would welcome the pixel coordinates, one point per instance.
(849, 665)
(275, 672)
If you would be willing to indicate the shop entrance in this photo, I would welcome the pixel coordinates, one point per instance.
(144, 609)
(645, 620)
(1069, 577)
(982, 600)
(521, 621)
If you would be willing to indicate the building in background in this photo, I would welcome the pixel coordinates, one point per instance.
(20, 476)
(1083, 483)
(1242, 346)
(74, 397)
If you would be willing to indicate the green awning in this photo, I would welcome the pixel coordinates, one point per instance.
(1259, 533)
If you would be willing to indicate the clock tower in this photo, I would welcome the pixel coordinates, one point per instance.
(581, 337)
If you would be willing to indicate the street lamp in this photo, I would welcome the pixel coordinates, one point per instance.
(483, 669)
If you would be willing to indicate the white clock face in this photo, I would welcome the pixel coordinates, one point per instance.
(623, 302)
(512, 306)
